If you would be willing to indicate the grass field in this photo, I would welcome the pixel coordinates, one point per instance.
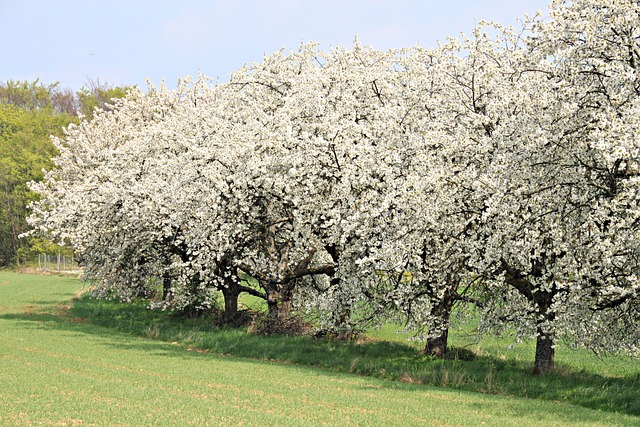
(59, 366)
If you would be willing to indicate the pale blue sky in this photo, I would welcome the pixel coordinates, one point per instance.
(122, 42)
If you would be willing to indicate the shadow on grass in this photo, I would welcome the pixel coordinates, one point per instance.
(379, 359)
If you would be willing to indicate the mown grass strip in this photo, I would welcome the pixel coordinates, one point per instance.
(609, 384)
(58, 367)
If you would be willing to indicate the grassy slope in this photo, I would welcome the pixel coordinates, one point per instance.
(610, 384)
(58, 369)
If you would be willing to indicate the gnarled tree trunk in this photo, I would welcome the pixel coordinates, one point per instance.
(437, 345)
(230, 293)
(545, 353)
(166, 286)
(542, 300)
(278, 304)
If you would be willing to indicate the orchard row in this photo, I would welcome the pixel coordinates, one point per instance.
(498, 173)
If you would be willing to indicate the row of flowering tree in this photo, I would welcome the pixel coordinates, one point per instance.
(498, 172)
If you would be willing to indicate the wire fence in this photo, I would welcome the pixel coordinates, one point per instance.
(58, 263)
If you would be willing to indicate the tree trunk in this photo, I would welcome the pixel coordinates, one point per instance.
(230, 294)
(437, 346)
(279, 306)
(345, 332)
(545, 353)
(166, 286)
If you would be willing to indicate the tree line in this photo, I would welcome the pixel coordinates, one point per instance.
(497, 173)
(30, 112)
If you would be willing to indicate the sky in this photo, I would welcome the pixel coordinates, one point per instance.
(125, 42)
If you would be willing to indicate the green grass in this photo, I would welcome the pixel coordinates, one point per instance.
(609, 384)
(503, 366)
(103, 363)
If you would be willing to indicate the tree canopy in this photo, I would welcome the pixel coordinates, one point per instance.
(497, 172)
(30, 112)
